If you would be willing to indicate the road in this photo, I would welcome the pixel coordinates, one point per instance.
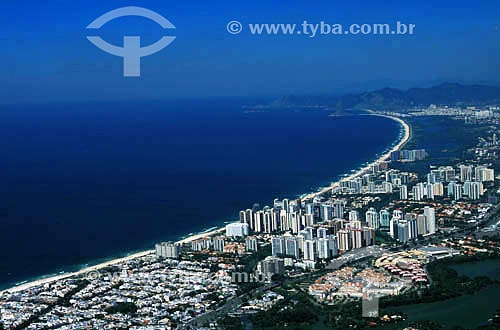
(229, 306)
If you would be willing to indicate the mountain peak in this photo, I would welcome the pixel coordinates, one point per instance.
(393, 99)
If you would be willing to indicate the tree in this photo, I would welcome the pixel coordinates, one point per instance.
(124, 308)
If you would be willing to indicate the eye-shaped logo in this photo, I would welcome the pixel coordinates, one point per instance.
(131, 50)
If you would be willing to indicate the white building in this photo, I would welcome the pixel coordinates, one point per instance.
(323, 248)
(310, 250)
(430, 219)
(403, 192)
(237, 230)
(251, 244)
(167, 250)
(372, 218)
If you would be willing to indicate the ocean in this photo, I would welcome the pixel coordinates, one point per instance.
(85, 183)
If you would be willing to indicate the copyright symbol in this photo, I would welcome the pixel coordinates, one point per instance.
(93, 275)
(234, 27)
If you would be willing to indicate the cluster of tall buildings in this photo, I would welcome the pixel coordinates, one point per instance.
(484, 174)
(376, 219)
(366, 184)
(471, 190)
(312, 230)
(291, 215)
(306, 245)
(408, 155)
(483, 114)
(466, 183)
(379, 180)
(423, 190)
(324, 242)
(405, 227)
(463, 173)
(209, 243)
(355, 236)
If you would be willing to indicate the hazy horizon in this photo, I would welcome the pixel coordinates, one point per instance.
(47, 58)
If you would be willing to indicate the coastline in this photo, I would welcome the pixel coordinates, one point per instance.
(97, 267)
(387, 155)
(31, 284)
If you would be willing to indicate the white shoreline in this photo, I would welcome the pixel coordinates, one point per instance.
(94, 268)
(85, 270)
(385, 156)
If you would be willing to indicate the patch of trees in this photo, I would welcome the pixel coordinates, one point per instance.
(122, 307)
(447, 284)
(230, 323)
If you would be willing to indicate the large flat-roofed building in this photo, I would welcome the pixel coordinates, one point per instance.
(237, 230)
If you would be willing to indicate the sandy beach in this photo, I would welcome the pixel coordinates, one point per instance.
(104, 264)
(97, 267)
(384, 157)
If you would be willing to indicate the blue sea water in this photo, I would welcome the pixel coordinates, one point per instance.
(82, 183)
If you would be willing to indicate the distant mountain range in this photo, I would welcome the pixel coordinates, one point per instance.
(393, 99)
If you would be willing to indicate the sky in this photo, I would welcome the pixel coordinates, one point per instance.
(46, 57)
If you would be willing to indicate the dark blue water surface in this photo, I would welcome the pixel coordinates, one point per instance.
(79, 183)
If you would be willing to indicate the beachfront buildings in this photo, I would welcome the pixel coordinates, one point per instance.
(311, 230)
(168, 250)
(377, 180)
(408, 155)
(237, 230)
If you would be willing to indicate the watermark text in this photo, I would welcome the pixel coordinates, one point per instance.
(312, 30)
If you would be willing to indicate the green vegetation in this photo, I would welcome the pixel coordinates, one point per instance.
(496, 318)
(230, 323)
(433, 325)
(250, 261)
(446, 284)
(124, 308)
(295, 312)
(426, 325)
(300, 316)
(382, 237)
(445, 140)
(349, 316)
